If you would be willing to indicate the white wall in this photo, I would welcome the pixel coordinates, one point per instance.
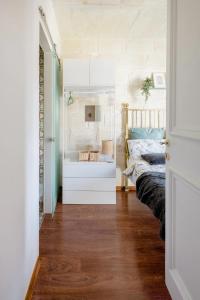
(19, 140)
(51, 21)
(19, 230)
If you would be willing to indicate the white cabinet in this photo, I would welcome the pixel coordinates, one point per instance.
(102, 72)
(94, 72)
(89, 197)
(89, 183)
(76, 72)
(89, 169)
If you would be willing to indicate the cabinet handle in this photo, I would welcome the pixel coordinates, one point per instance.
(51, 140)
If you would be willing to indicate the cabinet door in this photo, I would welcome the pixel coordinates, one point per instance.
(76, 72)
(102, 72)
(89, 184)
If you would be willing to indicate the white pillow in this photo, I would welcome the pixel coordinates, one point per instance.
(138, 147)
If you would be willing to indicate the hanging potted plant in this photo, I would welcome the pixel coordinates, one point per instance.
(146, 86)
(70, 99)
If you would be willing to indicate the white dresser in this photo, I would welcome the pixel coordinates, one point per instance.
(89, 182)
(88, 87)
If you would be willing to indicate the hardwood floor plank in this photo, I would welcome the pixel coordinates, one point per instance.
(104, 252)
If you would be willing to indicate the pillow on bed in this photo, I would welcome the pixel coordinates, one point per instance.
(146, 133)
(138, 147)
(154, 158)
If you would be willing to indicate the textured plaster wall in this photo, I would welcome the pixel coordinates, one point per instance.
(134, 36)
(135, 59)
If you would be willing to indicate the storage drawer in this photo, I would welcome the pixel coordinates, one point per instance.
(89, 184)
(84, 197)
(90, 170)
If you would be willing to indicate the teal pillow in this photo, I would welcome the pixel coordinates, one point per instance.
(146, 133)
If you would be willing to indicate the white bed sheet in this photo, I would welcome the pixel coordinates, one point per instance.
(138, 167)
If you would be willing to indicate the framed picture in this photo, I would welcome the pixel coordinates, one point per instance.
(92, 113)
(159, 80)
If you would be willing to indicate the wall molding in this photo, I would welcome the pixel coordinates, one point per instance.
(174, 130)
(187, 179)
(173, 278)
(185, 133)
(179, 290)
(29, 293)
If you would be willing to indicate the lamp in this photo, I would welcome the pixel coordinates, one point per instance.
(107, 147)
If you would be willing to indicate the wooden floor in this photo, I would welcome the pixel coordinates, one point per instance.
(101, 253)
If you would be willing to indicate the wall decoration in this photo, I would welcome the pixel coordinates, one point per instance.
(159, 80)
(92, 113)
(70, 99)
(146, 86)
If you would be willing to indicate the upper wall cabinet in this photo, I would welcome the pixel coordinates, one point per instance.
(88, 73)
(102, 72)
(76, 72)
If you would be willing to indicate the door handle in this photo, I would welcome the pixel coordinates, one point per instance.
(165, 142)
(51, 140)
(167, 156)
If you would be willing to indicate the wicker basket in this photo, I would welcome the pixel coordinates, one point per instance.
(94, 155)
(84, 155)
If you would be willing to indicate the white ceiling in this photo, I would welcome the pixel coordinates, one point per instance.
(112, 19)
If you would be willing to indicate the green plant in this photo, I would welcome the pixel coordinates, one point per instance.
(70, 99)
(146, 86)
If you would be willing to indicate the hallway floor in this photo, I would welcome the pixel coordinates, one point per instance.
(104, 252)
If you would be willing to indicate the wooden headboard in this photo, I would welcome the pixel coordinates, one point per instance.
(140, 118)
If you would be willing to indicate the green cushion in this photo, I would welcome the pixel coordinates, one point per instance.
(146, 133)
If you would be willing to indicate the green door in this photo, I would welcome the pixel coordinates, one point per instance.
(55, 163)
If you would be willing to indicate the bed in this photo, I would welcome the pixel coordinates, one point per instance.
(147, 176)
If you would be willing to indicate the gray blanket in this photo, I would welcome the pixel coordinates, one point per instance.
(150, 188)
